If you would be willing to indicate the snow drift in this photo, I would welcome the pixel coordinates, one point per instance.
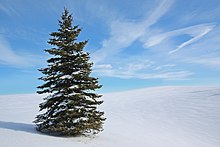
(150, 117)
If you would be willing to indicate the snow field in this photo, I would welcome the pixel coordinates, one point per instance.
(149, 117)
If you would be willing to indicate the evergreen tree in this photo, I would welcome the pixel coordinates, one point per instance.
(71, 105)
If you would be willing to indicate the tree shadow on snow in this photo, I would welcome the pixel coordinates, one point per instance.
(29, 128)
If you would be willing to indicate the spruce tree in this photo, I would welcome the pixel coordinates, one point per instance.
(70, 107)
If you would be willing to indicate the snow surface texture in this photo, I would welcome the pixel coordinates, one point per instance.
(150, 117)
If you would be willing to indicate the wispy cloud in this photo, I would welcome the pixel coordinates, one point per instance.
(141, 71)
(9, 57)
(159, 11)
(156, 58)
(162, 67)
(174, 75)
(213, 62)
(7, 9)
(160, 43)
(124, 33)
(196, 32)
(205, 52)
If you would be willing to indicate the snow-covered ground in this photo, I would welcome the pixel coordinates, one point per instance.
(150, 117)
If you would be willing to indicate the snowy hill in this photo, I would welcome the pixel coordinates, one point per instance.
(150, 117)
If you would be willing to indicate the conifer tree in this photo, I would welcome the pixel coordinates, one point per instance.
(70, 107)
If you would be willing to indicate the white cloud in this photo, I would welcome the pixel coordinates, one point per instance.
(127, 73)
(213, 62)
(196, 37)
(196, 32)
(158, 12)
(140, 65)
(7, 9)
(205, 52)
(9, 57)
(124, 33)
(102, 66)
(175, 75)
(142, 69)
(164, 66)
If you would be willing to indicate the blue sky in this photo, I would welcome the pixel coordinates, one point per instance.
(133, 43)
